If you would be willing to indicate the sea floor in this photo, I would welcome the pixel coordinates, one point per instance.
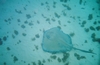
(23, 22)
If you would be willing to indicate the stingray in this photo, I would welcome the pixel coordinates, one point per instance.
(56, 41)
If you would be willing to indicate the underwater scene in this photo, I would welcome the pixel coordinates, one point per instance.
(49, 32)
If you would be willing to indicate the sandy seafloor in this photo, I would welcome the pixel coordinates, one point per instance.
(22, 23)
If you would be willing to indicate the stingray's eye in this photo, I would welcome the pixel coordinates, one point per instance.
(48, 36)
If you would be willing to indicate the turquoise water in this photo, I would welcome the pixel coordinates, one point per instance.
(22, 23)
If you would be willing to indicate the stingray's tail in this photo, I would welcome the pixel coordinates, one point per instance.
(84, 51)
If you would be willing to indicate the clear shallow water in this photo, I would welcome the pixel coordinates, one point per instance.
(22, 24)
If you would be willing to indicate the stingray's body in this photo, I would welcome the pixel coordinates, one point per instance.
(55, 41)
